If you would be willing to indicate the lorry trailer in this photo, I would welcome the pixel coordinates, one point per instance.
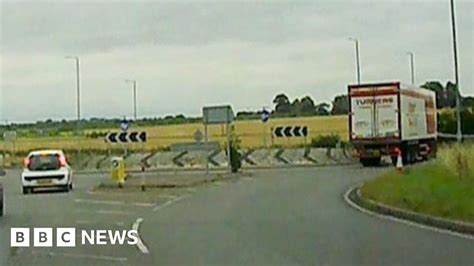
(388, 119)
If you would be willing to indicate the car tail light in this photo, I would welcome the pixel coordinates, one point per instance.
(26, 162)
(62, 160)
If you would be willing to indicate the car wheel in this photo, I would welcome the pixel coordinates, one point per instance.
(26, 190)
(71, 186)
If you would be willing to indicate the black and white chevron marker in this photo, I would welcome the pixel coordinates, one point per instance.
(126, 137)
(290, 131)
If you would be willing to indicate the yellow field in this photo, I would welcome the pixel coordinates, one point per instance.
(252, 133)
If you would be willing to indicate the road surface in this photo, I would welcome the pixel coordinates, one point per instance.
(274, 217)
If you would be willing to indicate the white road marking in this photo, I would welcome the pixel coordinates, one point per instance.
(113, 212)
(97, 222)
(169, 202)
(399, 220)
(110, 202)
(81, 256)
(113, 202)
(84, 222)
(107, 212)
(143, 204)
(141, 246)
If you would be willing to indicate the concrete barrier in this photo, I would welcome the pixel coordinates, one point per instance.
(251, 158)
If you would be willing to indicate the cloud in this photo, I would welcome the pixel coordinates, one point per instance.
(186, 55)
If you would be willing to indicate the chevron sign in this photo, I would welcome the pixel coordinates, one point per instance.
(126, 137)
(290, 131)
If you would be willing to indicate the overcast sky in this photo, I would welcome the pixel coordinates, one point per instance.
(188, 54)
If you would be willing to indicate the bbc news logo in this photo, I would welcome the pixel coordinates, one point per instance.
(66, 237)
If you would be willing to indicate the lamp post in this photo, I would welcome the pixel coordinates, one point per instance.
(456, 74)
(412, 67)
(134, 97)
(78, 98)
(78, 88)
(356, 42)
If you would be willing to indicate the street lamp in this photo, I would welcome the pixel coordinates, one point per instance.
(412, 67)
(456, 74)
(356, 42)
(78, 99)
(78, 87)
(134, 97)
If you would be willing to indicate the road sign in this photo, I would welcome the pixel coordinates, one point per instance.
(217, 114)
(265, 115)
(126, 137)
(9, 136)
(198, 136)
(124, 125)
(290, 131)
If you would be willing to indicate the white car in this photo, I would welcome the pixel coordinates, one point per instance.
(46, 169)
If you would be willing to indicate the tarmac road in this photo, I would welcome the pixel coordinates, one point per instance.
(276, 217)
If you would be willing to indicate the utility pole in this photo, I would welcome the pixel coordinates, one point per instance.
(456, 74)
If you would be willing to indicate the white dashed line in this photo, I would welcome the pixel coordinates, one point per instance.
(169, 202)
(116, 203)
(109, 202)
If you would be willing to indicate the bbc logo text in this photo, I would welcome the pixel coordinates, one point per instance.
(66, 237)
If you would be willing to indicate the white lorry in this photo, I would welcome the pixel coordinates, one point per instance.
(391, 119)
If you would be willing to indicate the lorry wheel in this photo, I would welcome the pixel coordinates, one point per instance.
(394, 160)
(364, 162)
(370, 161)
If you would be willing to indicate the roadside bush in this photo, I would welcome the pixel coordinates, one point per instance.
(326, 141)
(235, 156)
(458, 159)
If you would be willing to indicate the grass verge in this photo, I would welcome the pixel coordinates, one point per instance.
(443, 187)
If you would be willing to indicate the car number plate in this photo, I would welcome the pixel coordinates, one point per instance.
(44, 181)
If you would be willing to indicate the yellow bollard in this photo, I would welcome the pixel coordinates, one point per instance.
(118, 171)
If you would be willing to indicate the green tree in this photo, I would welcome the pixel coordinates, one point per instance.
(340, 105)
(322, 109)
(307, 106)
(282, 104)
(296, 107)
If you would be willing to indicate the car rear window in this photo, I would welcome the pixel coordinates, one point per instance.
(44, 162)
